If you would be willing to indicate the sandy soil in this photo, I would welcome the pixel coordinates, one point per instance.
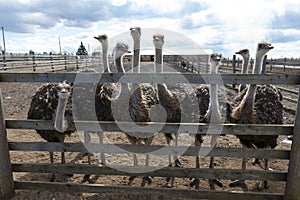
(17, 97)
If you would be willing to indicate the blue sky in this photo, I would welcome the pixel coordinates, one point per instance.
(222, 26)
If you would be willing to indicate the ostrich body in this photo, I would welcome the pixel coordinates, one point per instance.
(246, 60)
(166, 98)
(52, 102)
(258, 104)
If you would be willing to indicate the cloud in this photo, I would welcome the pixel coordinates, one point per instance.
(283, 36)
(30, 15)
(286, 21)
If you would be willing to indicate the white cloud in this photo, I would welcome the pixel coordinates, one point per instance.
(224, 26)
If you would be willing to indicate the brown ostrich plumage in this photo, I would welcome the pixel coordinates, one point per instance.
(267, 109)
(43, 106)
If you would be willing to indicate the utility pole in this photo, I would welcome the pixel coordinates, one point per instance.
(3, 40)
(59, 45)
(4, 48)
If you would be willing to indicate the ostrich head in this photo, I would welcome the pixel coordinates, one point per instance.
(119, 51)
(64, 90)
(135, 32)
(215, 60)
(263, 48)
(102, 39)
(244, 53)
(215, 57)
(158, 41)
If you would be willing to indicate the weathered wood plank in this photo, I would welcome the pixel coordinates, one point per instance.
(164, 192)
(152, 149)
(293, 184)
(168, 78)
(151, 171)
(192, 128)
(6, 176)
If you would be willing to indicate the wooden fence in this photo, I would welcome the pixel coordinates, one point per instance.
(8, 185)
(47, 63)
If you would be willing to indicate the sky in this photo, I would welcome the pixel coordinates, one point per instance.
(217, 25)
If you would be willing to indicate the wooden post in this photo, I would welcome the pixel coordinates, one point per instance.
(263, 68)
(227, 62)
(271, 64)
(77, 62)
(52, 65)
(33, 63)
(233, 67)
(293, 179)
(65, 58)
(207, 65)
(4, 61)
(6, 176)
(284, 64)
(199, 64)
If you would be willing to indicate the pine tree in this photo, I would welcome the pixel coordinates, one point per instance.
(81, 50)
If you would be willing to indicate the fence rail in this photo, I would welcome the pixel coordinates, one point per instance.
(46, 63)
(171, 192)
(168, 78)
(292, 155)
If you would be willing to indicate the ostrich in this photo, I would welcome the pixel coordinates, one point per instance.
(102, 104)
(141, 101)
(166, 98)
(52, 102)
(89, 100)
(209, 113)
(246, 60)
(139, 104)
(258, 104)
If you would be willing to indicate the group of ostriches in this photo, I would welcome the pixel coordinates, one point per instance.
(253, 104)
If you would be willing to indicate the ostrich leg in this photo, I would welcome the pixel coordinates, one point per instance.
(53, 177)
(87, 139)
(147, 178)
(196, 181)
(264, 184)
(102, 156)
(176, 160)
(135, 160)
(240, 183)
(212, 182)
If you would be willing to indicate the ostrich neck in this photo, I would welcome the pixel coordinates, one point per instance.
(246, 61)
(213, 93)
(105, 60)
(119, 62)
(119, 65)
(136, 56)
(257, 65)
(250, 94)
(214, 104)
(136, 65)
(161, 88)
(158, 60)
(59, 123)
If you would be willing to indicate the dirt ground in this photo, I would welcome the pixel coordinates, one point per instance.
(17, 97)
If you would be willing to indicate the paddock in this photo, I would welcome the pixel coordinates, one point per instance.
(10, 183)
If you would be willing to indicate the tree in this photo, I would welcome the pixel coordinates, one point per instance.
(31, 52)
(81, 50)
